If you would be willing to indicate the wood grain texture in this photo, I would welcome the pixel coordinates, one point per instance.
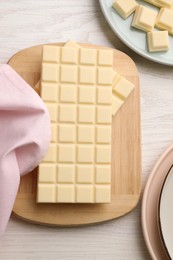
(27, 23)
(126, 155)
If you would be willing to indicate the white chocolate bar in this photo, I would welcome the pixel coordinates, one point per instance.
(125, 7)
(77, 89)
(144, 18)
(158, 41)
(161, 3)
(165, 20)
(77, 165)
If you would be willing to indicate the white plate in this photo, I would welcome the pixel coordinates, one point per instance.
(134, 38)
(150, 206)
(166, 213)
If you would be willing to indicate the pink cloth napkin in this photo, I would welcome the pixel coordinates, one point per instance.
(24, 136)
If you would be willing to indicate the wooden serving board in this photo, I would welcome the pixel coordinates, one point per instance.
(126, 155)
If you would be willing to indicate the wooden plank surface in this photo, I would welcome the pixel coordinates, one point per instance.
(126, 155)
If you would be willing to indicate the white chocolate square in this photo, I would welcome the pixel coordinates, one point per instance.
(165, 20)
(103, 154)
(51, 54)
(86, 134)
(69, 55)
(85, 194)
(85, 154)
(103, 115)
(46, 193)
(50, 72)
(67, 113)
(125, 7)
(103, 174)
(66, 173)
(105, 57)
(85, 174)
(87, 94)
(47, 173)
(123, 87)
(103, 134)
(67, 133)
(68, 74)
(104, 95)
(161, 3)
(65, 193)
(87, 75)
(66, 153)
(158, 41)
(68, 93)
(105, 76)
(86, 114)
(88, 56)
(102, 193)
(144, 18)
(49, 92)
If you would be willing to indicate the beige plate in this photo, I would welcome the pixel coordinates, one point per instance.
(150, 204)
(126, 155)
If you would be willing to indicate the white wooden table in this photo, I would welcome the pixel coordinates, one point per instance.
(31, 22)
